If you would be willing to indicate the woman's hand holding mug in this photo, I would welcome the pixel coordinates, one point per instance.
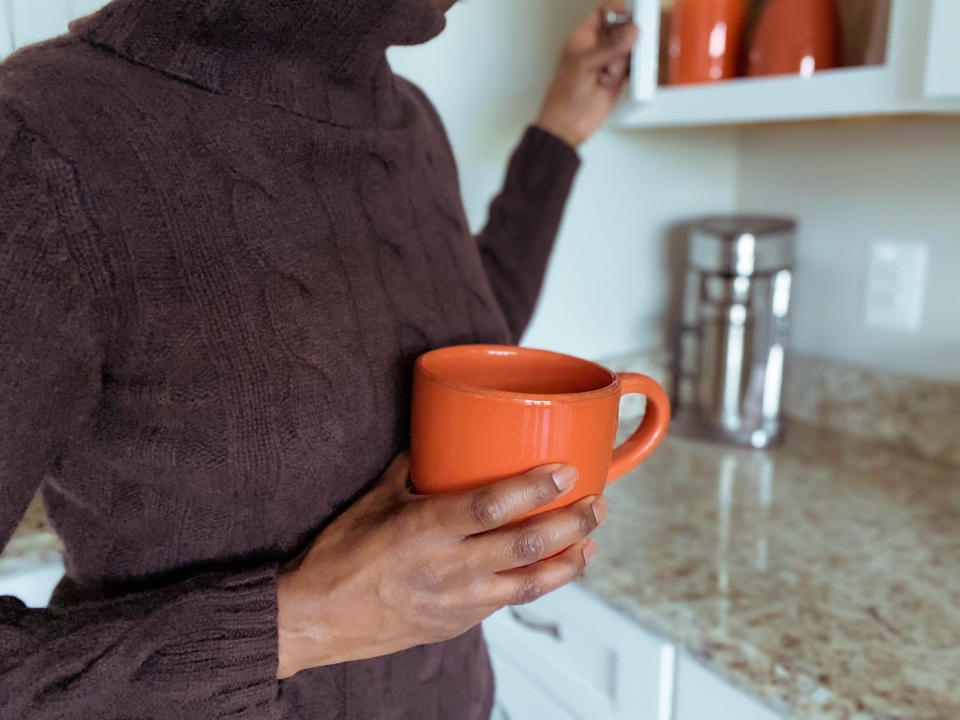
(398, 569)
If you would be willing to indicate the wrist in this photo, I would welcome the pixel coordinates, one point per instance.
(289, 638)
(559, 131)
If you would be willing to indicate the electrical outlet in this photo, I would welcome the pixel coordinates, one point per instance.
(896, 285)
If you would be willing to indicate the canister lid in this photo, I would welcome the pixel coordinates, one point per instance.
(742, 244)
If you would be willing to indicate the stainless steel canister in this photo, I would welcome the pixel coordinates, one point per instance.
(731, 346)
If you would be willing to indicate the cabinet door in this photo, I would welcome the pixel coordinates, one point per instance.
(36, 20)
(521, 697)
(943, 51)
(700, 694)
(594, 661)
(645, 61)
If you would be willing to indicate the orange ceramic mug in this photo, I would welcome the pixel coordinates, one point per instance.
(483, 413)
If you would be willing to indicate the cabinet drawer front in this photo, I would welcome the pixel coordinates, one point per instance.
(577, 669)
(521, 697)
(598, 663)
(702, 694)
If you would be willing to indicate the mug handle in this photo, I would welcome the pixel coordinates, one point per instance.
(651, 431)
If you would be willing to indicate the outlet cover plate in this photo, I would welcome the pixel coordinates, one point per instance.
(896, 285)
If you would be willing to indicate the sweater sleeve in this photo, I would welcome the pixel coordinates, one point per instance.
(201, 647)
(523, 222)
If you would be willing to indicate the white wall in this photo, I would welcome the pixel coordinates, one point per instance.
(608, 285)
(849, 183)
(24, 22)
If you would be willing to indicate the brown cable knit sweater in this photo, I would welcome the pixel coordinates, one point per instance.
(226, 230)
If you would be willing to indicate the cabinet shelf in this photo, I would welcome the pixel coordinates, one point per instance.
(829, 94)
(918, 78)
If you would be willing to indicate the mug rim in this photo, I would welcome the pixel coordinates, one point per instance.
(611, 388)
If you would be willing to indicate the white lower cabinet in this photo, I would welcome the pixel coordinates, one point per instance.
(568, 656)
(590, 660)
(702, 695)
(34, 587)
(521, 696)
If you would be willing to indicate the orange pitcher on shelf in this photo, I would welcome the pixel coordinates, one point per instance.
(795, 37)
(705, 42)
(483, 413)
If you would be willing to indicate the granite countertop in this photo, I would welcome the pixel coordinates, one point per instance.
(822, 577)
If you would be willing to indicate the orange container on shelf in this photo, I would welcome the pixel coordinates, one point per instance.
(795, 37)
(706, 39)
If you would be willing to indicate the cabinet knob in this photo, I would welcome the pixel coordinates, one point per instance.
(612, 18)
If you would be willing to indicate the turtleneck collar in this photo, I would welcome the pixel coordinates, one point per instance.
(325, 59)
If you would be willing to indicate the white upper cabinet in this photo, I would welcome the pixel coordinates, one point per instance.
(943, 50)
(894, 57)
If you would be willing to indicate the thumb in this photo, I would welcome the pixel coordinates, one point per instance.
(397, 474)
(609, 53)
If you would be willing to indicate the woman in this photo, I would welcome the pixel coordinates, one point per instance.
(226, 230)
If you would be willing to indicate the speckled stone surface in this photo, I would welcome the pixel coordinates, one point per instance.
(919, 416)
(33, 543)
(822, 577)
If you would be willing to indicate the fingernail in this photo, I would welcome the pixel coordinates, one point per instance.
(565, 477)
(600, 510)
(589, 550)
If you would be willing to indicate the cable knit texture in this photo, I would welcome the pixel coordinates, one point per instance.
(226, 231)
